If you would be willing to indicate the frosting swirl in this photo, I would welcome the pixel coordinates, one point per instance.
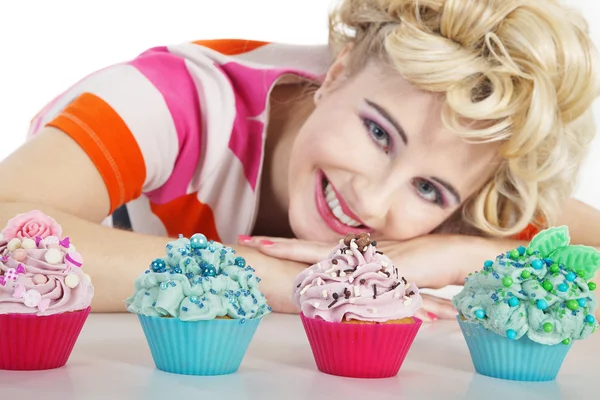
(42, 277)
(355, 282)
(198, 280)
(539, 291)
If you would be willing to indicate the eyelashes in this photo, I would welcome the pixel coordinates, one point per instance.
(429, 191)
(378, 134)
(425, 189)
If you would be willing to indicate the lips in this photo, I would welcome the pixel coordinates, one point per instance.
(334, 210)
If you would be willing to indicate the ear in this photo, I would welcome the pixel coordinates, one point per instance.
(336, 74)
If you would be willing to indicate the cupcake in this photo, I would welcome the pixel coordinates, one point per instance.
(357, 311)
(522, 312)
(45, 296)
(199, 307)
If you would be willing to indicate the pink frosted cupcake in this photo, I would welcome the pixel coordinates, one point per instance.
(45, 297)
(358, 312)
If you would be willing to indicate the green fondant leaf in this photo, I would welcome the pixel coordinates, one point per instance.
(550, 240)
(578, 258)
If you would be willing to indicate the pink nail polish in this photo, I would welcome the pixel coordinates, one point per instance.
(433, 316)
(243, 238)
(267, 243)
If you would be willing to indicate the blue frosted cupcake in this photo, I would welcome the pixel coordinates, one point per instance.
(522, 312)
(199, 307)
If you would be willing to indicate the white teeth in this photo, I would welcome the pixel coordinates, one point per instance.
(336, 209)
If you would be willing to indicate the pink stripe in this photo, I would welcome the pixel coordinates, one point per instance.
(252, 87)
(169, 74)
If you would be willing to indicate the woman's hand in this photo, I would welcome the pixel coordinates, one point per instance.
(432, 261)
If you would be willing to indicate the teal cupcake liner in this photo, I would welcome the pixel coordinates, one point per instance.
(212, 347)
(519, 360)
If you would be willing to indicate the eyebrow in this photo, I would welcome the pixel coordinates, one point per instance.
(385, 114)
(448, 187)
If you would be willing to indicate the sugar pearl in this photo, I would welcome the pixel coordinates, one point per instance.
(53, 256)
(39, 279)
(28, 244)
(14, 244)
(71, 249)
(19, 255)
(72, 281)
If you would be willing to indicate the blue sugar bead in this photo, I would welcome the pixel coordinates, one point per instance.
(537, 264)
(511, 334)
(488, 263)
(571, 276)
(480, 314)
(542, 304)
(522, 250)
(563, 287)
(513, 302)
(198, 241)
(590, 319)
(582, 302)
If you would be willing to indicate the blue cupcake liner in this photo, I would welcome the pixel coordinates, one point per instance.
(212, 347)
(519, 360)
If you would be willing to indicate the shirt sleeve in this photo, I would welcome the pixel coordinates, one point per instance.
(139, 122)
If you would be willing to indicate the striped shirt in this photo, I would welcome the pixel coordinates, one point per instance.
(178, 132)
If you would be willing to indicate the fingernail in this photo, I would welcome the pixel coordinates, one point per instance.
(243, 238)
(433, 316)
(267, 243)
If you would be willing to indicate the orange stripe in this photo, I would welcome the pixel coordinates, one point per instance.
(527, 234)
(231, 47)
(109, 143)
(186, 215)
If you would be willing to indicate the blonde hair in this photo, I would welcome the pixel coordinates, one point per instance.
(523, 72)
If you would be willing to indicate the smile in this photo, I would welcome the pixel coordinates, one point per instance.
(334, 210)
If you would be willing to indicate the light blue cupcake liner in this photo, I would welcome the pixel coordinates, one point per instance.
(519, 360)
(213, 347)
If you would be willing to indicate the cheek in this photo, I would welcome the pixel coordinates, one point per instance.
(414, 218)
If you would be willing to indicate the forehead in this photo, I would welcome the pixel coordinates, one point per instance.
(419, 113)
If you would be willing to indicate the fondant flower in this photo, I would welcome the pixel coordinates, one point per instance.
(31, 225)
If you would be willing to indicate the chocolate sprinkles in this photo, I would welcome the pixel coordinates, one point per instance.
(335, 299)
(334, 262)
(374, 291)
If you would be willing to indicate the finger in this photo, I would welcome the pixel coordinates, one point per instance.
(296, 250)
(437, 308)
(256, 241)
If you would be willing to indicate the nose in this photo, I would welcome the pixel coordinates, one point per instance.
(375, 197)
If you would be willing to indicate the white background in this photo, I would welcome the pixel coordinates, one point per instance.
(47, 45)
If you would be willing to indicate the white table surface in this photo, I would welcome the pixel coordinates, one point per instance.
(111, 360)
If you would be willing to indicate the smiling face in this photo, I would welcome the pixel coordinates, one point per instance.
(375, 156)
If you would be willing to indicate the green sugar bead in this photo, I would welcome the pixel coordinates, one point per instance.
(548, 327)
(591, 285)
(525, 274)
(514, 254)
(547, 285)
(573, 305)
(507, 281)
(554, 268)
(566, 342)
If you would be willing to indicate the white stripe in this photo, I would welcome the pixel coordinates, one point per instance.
(230, 197)
(142, 219)
(143, 109)
(217, 104)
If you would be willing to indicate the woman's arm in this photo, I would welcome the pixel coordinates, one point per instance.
(53, 174)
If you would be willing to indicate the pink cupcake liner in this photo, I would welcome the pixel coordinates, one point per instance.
(30, 342)
(359, 350)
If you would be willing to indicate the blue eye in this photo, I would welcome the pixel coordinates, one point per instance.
(378, 134)
(428, 191)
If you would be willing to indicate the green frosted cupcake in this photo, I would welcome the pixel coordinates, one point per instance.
(521, 313)
(199, 307)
